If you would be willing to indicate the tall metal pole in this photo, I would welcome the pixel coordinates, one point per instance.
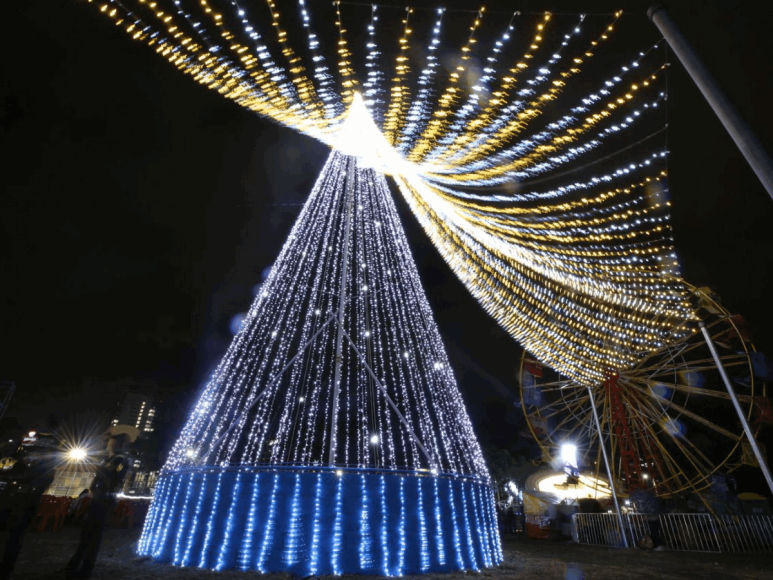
(339, 361)
(737, 405)
(750, 147)
(609, 471)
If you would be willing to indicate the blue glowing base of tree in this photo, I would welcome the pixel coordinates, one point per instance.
(307, 520)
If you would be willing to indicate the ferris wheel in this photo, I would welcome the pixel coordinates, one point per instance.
(668, 421)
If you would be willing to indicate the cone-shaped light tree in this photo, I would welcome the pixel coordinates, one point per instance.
(332, 438)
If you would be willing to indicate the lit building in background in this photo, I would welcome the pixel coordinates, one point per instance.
(136, 410)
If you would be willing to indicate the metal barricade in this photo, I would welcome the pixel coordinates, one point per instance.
(596, 529)
(745, 533)
(682, 532)
(689, 532)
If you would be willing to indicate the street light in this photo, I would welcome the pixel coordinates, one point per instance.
(77, 454)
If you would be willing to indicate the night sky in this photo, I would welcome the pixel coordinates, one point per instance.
(139, 209)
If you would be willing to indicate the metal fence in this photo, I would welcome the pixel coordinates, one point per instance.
(685, 532)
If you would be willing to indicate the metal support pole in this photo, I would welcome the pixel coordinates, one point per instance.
(389, 400)
(745, 140)
(339, 361)
(236, 421)
(737, 405)
(609, 471)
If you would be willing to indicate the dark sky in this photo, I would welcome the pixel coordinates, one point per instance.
(138, 209)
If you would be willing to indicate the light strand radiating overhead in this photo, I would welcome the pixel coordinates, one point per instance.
(531, 161)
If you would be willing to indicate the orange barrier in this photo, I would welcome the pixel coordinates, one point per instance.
(123, 515)
(51, 513)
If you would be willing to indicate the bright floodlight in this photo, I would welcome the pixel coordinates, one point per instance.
(77, 454)
(190, 454)
(569, 454)
(374, 439)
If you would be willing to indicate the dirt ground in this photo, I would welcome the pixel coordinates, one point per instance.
(44, 555)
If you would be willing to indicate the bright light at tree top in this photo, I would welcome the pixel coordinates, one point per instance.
(537, 170)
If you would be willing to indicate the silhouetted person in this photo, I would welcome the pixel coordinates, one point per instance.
(80, 506)
(648, 503)
(28, 471)
(108, 479)
(510, 520)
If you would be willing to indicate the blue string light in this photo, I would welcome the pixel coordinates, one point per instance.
(294, 526)
(454, 518)
(213, 516)
(268, 533)
(346, 528)
(423, 535)
(366, 537)
(196, 519)
(153, 512)
(183, 520)
(338, 527)
(401, 531)
(160, 543)
(471, 543)
(246, 552)
(441, 552)
(316, 526)
(225, 547)
(384, 528)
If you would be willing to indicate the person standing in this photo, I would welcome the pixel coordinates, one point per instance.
(648, 503)
(29, 472)
(108, 479)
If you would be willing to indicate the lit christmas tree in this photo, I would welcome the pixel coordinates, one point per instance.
(332, 438)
